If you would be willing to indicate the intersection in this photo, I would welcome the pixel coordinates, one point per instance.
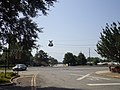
(65, 78)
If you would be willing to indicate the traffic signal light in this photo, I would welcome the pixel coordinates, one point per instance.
(50, 43)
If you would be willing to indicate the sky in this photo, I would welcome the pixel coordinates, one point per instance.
(75, 26)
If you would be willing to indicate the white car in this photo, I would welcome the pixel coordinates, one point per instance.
(113, 63)
(19, 67)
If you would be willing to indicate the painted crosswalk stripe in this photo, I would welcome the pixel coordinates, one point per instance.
(83, 77)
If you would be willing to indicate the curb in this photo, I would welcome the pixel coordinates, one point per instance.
(11, 81)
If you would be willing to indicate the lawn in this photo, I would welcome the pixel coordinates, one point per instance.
(6, 79)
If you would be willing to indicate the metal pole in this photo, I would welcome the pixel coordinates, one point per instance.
(89, 52)
(6, 55)
(5, 61)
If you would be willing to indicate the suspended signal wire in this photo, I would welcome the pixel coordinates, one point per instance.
(75, 45)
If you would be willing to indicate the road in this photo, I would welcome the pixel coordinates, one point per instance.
(64, 78)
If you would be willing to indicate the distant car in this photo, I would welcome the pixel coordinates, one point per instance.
(113, 63)
(19, 67)
(102, 63)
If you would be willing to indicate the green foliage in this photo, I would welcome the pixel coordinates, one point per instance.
(109, 44)
(81, 59)
(52, 61)
(73, 60)
(16, 55)
(17, 28)
(69, 59)
(42, 59)
(14, 28)
(8, 75)
(94, 60)
(6, 79)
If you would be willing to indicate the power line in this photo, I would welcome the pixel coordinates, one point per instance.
(76, 45)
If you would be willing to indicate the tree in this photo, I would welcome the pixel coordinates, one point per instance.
(52, 61)
(41, 58)
(81, 59)
(69, 59)
(109, 44)
(23, 41)
(16, 14)
(27, 33)
(94, 60)
(17, 26)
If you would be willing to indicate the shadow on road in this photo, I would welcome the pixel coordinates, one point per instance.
(30, 88)
(56, 88)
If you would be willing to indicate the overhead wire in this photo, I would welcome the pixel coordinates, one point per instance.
(76, 45)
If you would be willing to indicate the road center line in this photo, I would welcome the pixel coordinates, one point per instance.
(104, 84)
(33, 82)
(83, 77)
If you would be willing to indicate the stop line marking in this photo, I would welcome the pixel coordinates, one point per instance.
(104, 84)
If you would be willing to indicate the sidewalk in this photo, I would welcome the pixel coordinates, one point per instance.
(108, 74)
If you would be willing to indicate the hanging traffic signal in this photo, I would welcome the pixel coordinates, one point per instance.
(50, 43)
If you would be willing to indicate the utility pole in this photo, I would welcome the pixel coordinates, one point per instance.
(89, 54)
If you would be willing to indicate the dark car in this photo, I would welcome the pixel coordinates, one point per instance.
(19, 67)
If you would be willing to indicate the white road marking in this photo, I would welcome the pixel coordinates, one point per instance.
(83, 77)
(33, 82)
(104, 84)
(91, 77)
(71, 71)
(97, 78)
(76, 74)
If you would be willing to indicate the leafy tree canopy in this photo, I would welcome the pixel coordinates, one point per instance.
(81, 59)
(42, 58)
(109, 44)
(69, 59)
(22, 29)
(52, 61)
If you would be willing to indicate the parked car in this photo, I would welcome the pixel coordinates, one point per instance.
(19, 67)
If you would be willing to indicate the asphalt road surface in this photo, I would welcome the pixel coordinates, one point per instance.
(64, 78)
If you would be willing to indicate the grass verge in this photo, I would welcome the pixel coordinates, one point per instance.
(6, 79)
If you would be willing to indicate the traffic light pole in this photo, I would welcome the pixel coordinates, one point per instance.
(6, 59)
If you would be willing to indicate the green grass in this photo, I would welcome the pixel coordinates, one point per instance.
(6, 68)
(6, 79)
